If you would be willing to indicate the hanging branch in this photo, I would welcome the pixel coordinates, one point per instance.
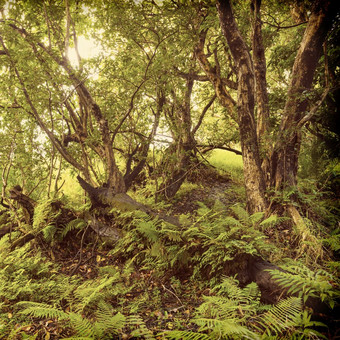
(68, 24)
(206, 108)
(34, 113)
(212, 73)
(313, 110)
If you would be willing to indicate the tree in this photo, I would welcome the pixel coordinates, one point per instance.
(103, 126)
(82, 127)
(251, 84)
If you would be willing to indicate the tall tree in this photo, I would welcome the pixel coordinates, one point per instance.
(284, 158)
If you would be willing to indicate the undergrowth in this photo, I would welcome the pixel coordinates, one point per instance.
(160, 280)
(163, 281)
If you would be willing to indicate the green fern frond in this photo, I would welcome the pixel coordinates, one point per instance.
(224, 329)
(306, 283)
(83, 326)
(231, 221)
(240, 213)
(256, 217)
(180, 335)
(106, 322)
(41, 310)
(203, 210)
(281, 317)
(93, 291)
(78, 223)
(270, 221)
(170, 233)
(140, 329)
(44, 214)
(49, 231)
(148, 229)
(79, 338)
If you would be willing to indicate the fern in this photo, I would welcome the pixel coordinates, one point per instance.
(224, 329)
(92, 291)
(44, 214)
(180, 335)
(78, 223)
(306, 283)
(49, 232)
(280, 318)
(140, 329)
(106, 326)
(240, 213)
(41, 310)
(82, 326)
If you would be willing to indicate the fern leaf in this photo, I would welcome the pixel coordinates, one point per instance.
(140, 330)
(49, 232)
(180, 335)
(148, 229)
(106, 322)
(83, 326)
(78, 223)
(281, 317)
(270, 221)
(257, 217)
(41, 310)
(224, 328)
(240, 213)
(79, 338)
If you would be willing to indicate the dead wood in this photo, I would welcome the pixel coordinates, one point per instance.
(24, 201)
(5, 230)
(22, 241)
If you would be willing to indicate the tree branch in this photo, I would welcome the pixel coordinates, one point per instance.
(210, 147)
(206, 108)
(313, 110)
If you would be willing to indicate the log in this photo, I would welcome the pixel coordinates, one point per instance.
(5, 230)
(24, 201)
(253, 268)
(105, 197)
(22, 241)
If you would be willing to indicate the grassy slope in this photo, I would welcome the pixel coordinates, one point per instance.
(143, 276)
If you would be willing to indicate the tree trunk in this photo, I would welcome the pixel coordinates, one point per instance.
(24, 201)
(253, 175)
(261, 93)
(259, 60)
(284, 159)
(181, 154)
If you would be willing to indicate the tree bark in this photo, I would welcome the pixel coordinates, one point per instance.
(180, 155)
(24, 201)
(260, 70)
(261, 93)
(253, 175)
(284, 159)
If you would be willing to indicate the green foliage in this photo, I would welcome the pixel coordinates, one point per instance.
(236, 313)
(45, 214)
(92, 291)
(77, 224)
(31, 278)
(229, 162)
(281, 317)
(104, 327)
(207, 243)
(299, 279)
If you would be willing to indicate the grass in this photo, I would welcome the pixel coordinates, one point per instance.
(71, 189)
(229, 162)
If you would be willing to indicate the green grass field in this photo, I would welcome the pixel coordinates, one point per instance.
(227, 161)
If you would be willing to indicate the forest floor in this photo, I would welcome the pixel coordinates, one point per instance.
(143, 278)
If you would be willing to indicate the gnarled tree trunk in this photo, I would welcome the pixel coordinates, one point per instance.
(284, 159)
(253, 175)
